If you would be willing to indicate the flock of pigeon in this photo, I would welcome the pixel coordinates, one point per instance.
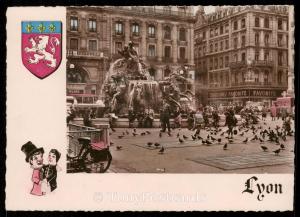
(243, 134)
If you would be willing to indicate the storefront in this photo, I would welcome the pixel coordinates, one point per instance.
(242, 96)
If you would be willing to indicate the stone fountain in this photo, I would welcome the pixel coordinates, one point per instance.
(128, 85)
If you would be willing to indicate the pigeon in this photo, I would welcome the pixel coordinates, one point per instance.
(199, 137)
(264, 148)
(177, 135)
(156, 144)
(149, 144)
(123, 133)
(212, 138)
(119, 147)
(197, 132)
(277, 151)
(111, 143)
(160, 134)
(283, 138)
(180, 140)
(185, 137)
(113, 129)
(161, 151)
(148, 132)
(261, 141)
(143, 134)
(222, 134)
(203, 141)
(282, 146)
(225, 146)
(121, 136)
(242, 134)
(207, 136)
(219, 140)
(134, 134)
(134, 130)
(245, 141)
(194, 138)
(208, 142)
(127, 132)
(161, 170)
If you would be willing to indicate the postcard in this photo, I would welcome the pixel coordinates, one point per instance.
(150, 108)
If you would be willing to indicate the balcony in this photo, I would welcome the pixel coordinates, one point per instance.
(182, 61)
(167, 59)
(256, 84)
(263, 63)
(85, 53)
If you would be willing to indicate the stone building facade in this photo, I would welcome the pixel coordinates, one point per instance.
(241, 54)
(291, 57)
(162, 35)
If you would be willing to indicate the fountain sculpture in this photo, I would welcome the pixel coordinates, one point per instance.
(128, 85)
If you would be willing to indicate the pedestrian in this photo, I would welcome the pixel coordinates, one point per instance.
(216, 118)
(87, 119)
(190, 119)
(273, 113)
(264, 113)
(177, 119)
(131, 117)
(230, 122)
(165, 116)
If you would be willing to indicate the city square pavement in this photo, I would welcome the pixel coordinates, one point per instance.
(133, 155)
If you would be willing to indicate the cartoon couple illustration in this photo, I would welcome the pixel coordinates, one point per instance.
(43, 176)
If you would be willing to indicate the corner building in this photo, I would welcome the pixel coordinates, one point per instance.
(241, 54)
(162, 35)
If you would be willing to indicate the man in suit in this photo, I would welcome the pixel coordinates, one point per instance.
(50, 170)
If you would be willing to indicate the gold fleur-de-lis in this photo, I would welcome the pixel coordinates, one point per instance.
(41, 28)
(51, 27)
(29, 27)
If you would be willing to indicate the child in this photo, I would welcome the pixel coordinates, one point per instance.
(50, 170)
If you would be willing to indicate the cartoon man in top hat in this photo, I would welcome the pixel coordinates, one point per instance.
(34, 156)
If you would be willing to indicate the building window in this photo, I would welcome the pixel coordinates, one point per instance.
(235, 25)
(256, 56)
(266, 22)
(216, 63)
(235, 42)
(243, 57)
(151, 31)
(226, 44)
(279, 77)
(167, 32)
(204, 50)
(74, 44)
(200, 51)
(182, 34)
(243, 23)
(279, 40)
(256, 77)
(266, 39)
(227, 28)
(74, 24)
(118, 47)
(210, 64)
(266, 55)
(210, 48)
(204, 35)
(226, 61)
(256, 22)
(92, 25)
(256, 39)
(211, 33)
(216, 47)
(266, 77)
(221, 30)
(280, 24)
(221, 62)
(216, 31)
(151, 50)
(235, 58)
(182, 53)
(119, 28)
(280, 58)
(92, 45)
(167, 51)
(243, 41)
(221, 45)
(135, 29)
